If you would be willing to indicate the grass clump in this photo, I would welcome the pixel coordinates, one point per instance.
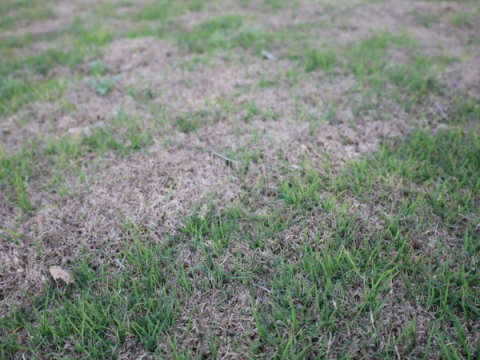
(324, 60)
(211, 34)
(447, 164)
(226, 32)
(13, 15)
(15, 93)
(469, 20)
(450, 155)
(409, 82)
(426, 20)
(42, 63)
(154, 11)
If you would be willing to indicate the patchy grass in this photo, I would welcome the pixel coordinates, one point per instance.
(41, 63)
(212, 34)
(16, 12)
(63, 165)
(17, 92)
(426, 20)
(315, 255)
(341, 270)
(470, 20)
(410, 82)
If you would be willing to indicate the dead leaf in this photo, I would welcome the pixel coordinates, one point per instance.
(58, 273)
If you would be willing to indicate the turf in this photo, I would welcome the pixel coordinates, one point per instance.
(240, 179)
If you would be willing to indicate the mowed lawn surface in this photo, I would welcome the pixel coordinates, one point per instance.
(249, 179)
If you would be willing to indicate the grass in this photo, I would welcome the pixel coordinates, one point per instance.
(212, 34)
(469, 20)
(20, 83)
(41, 63)
(144, 311)
(409, 82)
(375, 256)
(61, 164)
(15, 12)
(426, 20)
(18, 92)
(309, 288)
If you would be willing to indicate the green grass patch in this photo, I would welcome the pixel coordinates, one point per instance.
(227, 32)
(211, 34)
(410, 82)
(20, 83)
(15, 93)
(449, 156)
(42, 62)
(448, 165)
(10, 43)
(321, 59)
(426, 20)
(470, 20)
(154, 11)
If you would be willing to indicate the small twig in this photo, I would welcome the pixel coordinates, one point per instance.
(261, 287)
(88, 157)
(223, 157)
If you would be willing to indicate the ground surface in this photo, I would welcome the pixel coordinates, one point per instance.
(240, 179)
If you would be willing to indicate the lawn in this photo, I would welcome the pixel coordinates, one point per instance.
(239, 179)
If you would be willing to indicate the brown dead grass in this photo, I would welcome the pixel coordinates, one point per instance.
(38, 27)
(171, 182)
(466, 76)
(151, 63)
